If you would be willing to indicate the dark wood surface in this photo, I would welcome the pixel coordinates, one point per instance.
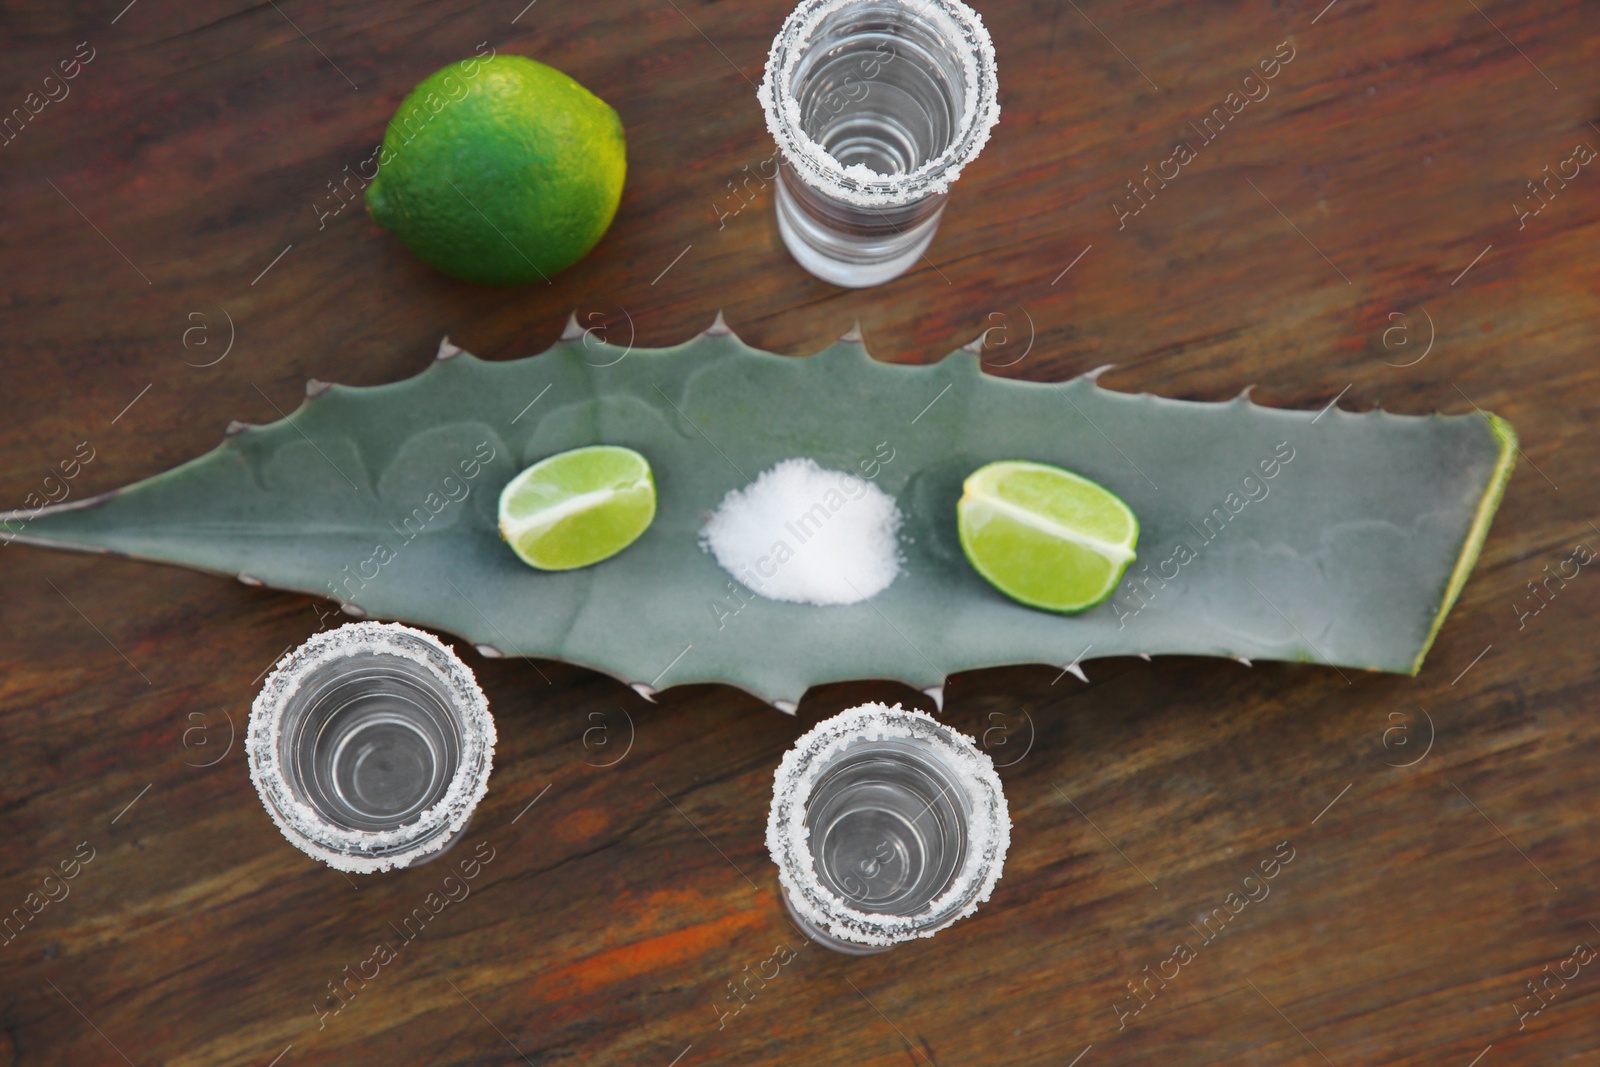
(1314, 248)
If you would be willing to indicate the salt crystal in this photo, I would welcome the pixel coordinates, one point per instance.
(807, 535)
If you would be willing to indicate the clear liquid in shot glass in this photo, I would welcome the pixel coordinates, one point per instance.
(888, 832)
(374, 742)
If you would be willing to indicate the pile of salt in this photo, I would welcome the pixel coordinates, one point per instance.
(807, 535)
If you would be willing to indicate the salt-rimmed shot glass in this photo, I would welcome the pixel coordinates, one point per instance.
(876, 107)
(886, 826)
(370, 746)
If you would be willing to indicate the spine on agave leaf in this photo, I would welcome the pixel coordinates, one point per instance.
(1324, 536)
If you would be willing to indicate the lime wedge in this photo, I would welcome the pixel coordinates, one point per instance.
(1045, 536)
(579, 507)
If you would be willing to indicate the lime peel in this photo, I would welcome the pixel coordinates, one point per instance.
(507, 182)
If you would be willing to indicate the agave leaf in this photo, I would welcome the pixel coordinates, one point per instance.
(1350, 553)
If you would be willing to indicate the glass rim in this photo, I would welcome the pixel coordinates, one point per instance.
(369, 851)
(788, 839)
(857, 185)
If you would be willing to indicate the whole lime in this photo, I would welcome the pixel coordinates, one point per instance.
(499, 171)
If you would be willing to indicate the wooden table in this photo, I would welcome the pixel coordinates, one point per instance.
(1353, 234)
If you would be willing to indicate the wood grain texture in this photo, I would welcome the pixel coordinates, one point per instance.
(196, 146)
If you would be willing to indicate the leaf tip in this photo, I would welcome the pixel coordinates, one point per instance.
(235, 428)
(1076, 670)
(719, 327)
(353, 610)
(975, 346)
(489, 652)
(249, 579)
(572, 331)
(788, 707)
(852, 336)
(316, 387)
(935, 693)
(1488, 504)
(1094, 375)
(1244, 394)
(1245, 660)
(1145, 656)
(644, 690)
(446, 350)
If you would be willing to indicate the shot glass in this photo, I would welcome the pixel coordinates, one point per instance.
(886, 825)
(370, 746)
(876, 106)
